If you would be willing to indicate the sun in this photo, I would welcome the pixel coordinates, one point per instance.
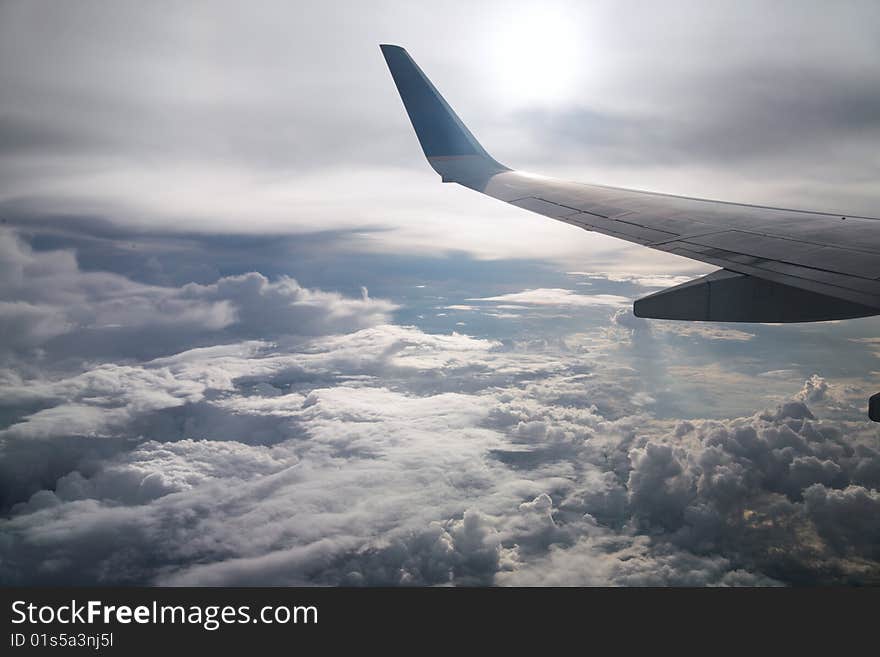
(538, 55)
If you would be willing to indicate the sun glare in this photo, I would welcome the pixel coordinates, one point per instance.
(538, 56)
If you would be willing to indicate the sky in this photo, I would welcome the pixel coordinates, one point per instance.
(249, 338)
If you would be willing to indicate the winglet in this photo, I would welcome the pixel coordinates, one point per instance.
(450, 147)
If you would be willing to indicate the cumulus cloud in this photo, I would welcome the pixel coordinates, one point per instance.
(625, 318)
(815, 389)
(304, 439)
(47, 301)
(51, 283)
(848, 519)
(392, 456)
(603, 558)
(60, 406)
(641, 328)
(354, 466)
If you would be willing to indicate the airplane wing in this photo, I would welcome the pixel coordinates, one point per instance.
(776, 265)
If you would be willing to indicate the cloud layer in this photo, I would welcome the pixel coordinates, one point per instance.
(244, 129)
(54, 305)
(387, 455)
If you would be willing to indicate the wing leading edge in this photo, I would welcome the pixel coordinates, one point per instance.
(776, 265)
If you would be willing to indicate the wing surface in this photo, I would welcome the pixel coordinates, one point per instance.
(776, 264)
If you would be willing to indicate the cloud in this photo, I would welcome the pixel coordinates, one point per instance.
(284, 307)
(391, 456)
(242, 140)
(815, 389)
(177, 407)
(642, 280)
(379, 453)
(625, 318)
(706, 331)
(28, 325)
(49, 302)
(847, 518)
(605, 559)
(390, 461)
(60, 408)
(556, 297)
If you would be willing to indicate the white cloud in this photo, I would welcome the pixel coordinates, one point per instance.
(557, 297)
(339, 448)
(640, 279)
(701, 330)
(45, 295)
(419, 459)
